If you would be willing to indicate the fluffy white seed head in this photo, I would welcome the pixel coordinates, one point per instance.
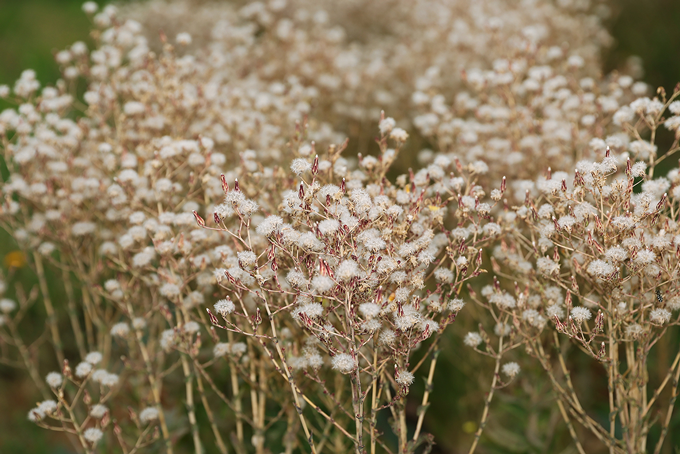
(343, 363)
(148, 415)
(404, 378)
(54, 379)
(93, 435)
(511, 369)
(224, 307)
(473, 339)
(581, 314)
(98, 411)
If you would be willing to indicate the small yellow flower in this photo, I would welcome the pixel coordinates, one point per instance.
(15, 259)
(469, 427)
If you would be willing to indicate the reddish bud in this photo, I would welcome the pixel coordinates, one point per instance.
(315, 166)
(459, 166)
(661, 202)
(199, 219)
(603, 351)
(66, 370)
(213, 319)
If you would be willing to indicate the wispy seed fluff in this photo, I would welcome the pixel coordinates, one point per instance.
(300, 166)
(659, 316)
(148, 415)
(48, 406)
(503, 300)
(54, 379)
(581, 314)
(93, 358)
(644, 257)
(224, 307)
(387, 125)
(616, 254)
(93, 435)
(328, 226)
(399, 135)
(343, 363)
(322, 284)
(221, 349)
(247, 258)
(269, 225)
(404, 378)
(362, 201)
(511, 369)
(83, 369)
(296, 278)
(120, 329)
(473, 339)
(98, 411)
(311, 310)
(387, 337)
(369, 310)
(633, 331)
(347, 270)
(546, 266)
(600, 268)
(555, 310)
(673, 303)
(443, 275)
(455, 305)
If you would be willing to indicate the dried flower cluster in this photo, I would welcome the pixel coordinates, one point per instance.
(237, 269)
(595, 259)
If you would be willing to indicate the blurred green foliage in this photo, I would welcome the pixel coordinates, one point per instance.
(32, 30)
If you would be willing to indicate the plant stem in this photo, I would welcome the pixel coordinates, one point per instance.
(426, 396)
(489, 397)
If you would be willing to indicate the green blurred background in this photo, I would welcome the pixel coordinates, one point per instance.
(32, 30)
